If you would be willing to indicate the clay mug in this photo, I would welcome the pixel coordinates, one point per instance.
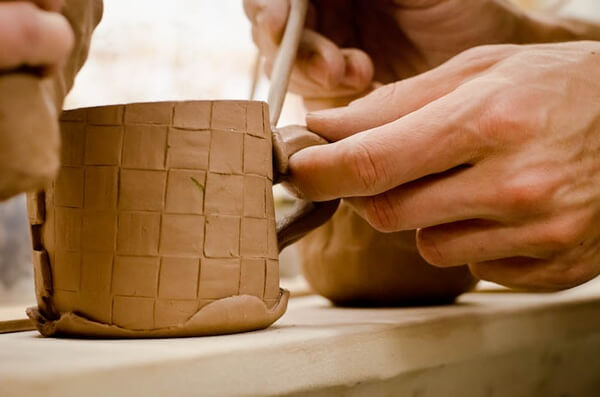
(161, 221)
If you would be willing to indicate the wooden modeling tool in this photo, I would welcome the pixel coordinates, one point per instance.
(284, 62)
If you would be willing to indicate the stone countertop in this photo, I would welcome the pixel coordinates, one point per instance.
(492, 342)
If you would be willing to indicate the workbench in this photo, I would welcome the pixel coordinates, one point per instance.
(492, 342)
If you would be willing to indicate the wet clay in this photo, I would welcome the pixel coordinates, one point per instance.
(29, 108)
(350, 263)
(161, 222)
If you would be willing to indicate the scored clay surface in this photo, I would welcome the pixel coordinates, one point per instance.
(159, 211)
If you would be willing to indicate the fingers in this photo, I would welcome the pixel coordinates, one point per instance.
(534, 274)
(322, 69)
(480, 240)
(326, 72)
(319, 63)
(457, 195)
(475, 240)
(431, 140)
(399, 133)
(398, 99)
(314, 104)
(536, 255)
(31, 36)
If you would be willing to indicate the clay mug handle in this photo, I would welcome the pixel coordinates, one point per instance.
(289, 140)
(307, 215)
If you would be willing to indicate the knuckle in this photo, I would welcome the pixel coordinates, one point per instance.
(563, 234)
(524, 194)
(498, 122)
(509, 117)
(520, 196)
(380, 214)
(358, 160)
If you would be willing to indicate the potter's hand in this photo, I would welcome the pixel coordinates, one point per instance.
(33, 34)
(494, 156)
(349, 45)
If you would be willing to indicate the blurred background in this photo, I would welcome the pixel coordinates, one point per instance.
(180, 49)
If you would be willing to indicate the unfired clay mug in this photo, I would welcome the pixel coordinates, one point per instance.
(161, 221)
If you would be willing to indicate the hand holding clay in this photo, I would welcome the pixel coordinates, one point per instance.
(34, 38)
(33, 34)
(493, 156)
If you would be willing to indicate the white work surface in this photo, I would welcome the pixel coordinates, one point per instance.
(489, 344)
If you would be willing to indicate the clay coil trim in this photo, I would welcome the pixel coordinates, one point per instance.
(235, 314)
(36, 208)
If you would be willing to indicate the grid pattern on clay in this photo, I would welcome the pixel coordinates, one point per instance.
(160, 209)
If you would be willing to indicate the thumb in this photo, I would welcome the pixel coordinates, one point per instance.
(393, 101)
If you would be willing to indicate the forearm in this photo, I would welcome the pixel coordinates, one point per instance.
(538, 28)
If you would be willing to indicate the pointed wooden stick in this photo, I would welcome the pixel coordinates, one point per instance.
(284, 62)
